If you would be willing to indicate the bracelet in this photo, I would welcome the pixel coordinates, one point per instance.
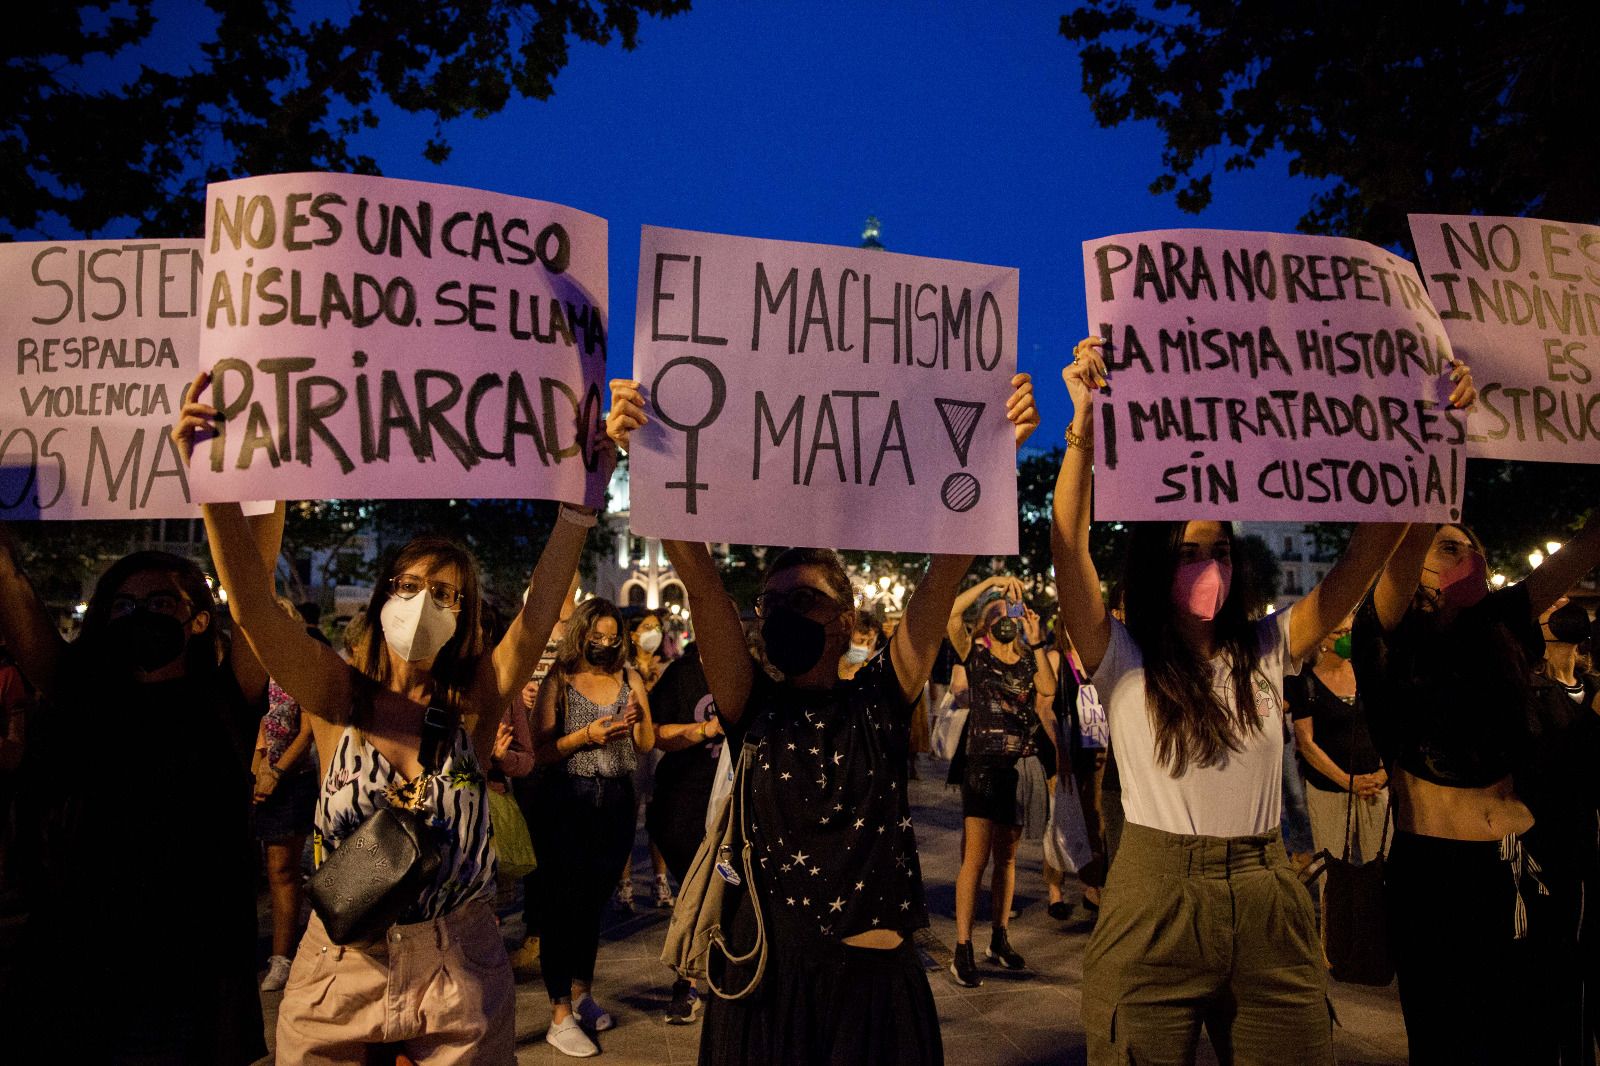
(573, 516)
(1075, 441)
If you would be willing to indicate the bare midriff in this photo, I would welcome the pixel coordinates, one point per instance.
(881, 939)
(1431, 810)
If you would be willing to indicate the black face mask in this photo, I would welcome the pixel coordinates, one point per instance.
(794, 642)
(1004, 631)
(146, 640)
(602, 655)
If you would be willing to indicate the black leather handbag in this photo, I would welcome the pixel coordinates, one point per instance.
(1355, 933)
(369, 881)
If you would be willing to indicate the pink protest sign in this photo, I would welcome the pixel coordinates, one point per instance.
(1269, 376)
(802, 394)
(101, 337)
(377, 338)
(1520, 299)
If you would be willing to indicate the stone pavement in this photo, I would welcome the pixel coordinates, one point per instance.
(1013, 1019)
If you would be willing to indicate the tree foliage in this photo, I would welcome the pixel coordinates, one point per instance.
(122, 110)
(1454, 108)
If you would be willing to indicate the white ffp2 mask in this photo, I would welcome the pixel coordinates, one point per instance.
(416, 629)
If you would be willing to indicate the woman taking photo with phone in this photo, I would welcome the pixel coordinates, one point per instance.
(591, 726)
(1202, 920)
(1004, 669)
(838, 881)
(437, 982)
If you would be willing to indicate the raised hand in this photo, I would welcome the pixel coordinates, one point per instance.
(1020, 409)
(1086, 374)
(193, 417)
(627, 411)
(1465, 393)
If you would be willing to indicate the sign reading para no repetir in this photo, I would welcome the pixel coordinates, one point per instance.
(378, 338)
(1520, 299)
(1269, 376)
(100, 339)
(803, 394)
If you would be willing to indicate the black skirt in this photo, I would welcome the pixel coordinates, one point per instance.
(835, 1005)
(989, 790)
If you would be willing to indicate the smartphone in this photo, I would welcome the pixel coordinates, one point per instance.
(1016, 610)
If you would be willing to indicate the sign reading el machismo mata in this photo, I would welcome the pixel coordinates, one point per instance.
(1269, 376)
(804, 394)
(378, 338)
(100, 340)
(1520, 299)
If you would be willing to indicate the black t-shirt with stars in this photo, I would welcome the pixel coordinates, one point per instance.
(829, 816)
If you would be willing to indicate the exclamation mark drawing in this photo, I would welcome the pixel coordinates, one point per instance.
(961, 490)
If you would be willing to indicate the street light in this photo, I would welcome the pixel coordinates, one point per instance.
(1497, 580)
(1552, 546)
(884, 582)
(899, 591)
(1535, 558)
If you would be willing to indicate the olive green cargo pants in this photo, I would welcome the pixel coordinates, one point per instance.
(1208, 931)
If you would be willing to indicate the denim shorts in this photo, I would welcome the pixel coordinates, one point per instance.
(288, 812)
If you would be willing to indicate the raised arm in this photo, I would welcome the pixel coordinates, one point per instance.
(1077, 582)
(1397, 584)
(1565, 568)
(266, 530)
(1338, 593)
(915, 643)
(29, 633)
(517, 654)
(307, 669)
(955, 628)
(723, 653)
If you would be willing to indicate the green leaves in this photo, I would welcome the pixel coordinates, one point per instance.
(115, 116)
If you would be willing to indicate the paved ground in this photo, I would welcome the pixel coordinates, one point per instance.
(1011, 1020)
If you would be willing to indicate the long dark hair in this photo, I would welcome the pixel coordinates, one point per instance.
(204, 653)
(456, 666)
(1192, 726)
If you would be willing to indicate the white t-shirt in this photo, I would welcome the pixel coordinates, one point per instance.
(1242, 793)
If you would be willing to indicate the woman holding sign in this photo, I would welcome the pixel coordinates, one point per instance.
(1202, 920)
(1444, 666)
(411, 722)
(838, 883)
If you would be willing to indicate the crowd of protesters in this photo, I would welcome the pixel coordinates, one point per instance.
(1177, 751)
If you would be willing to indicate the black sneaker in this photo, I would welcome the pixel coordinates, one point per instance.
(1000, 951)
(963, 968)
(685, 1005)
(1060, 910)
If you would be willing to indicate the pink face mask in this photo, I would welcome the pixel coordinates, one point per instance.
(1201, 587)
(1465, 583)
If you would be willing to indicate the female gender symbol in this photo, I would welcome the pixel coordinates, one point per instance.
(691, 431)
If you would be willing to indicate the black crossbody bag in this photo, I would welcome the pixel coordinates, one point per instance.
(367, 883)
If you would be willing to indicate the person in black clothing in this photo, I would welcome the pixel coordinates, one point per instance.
(1345, 779)
(1558, 782)
(838, 882)
(689, 735)
(1445, 668)
(150, 675)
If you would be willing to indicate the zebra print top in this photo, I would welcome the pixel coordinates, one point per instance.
(458, 802)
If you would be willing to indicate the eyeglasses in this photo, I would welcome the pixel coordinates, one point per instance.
(802, 600)
(157, 602)
(408, 585)
(605, 642)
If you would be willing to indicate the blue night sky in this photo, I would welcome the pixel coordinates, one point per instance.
(961, 126)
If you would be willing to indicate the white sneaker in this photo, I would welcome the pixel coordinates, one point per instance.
(663, 892)
(593, 1014)
(277, 974)
(625, 895)
(569, 1038)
